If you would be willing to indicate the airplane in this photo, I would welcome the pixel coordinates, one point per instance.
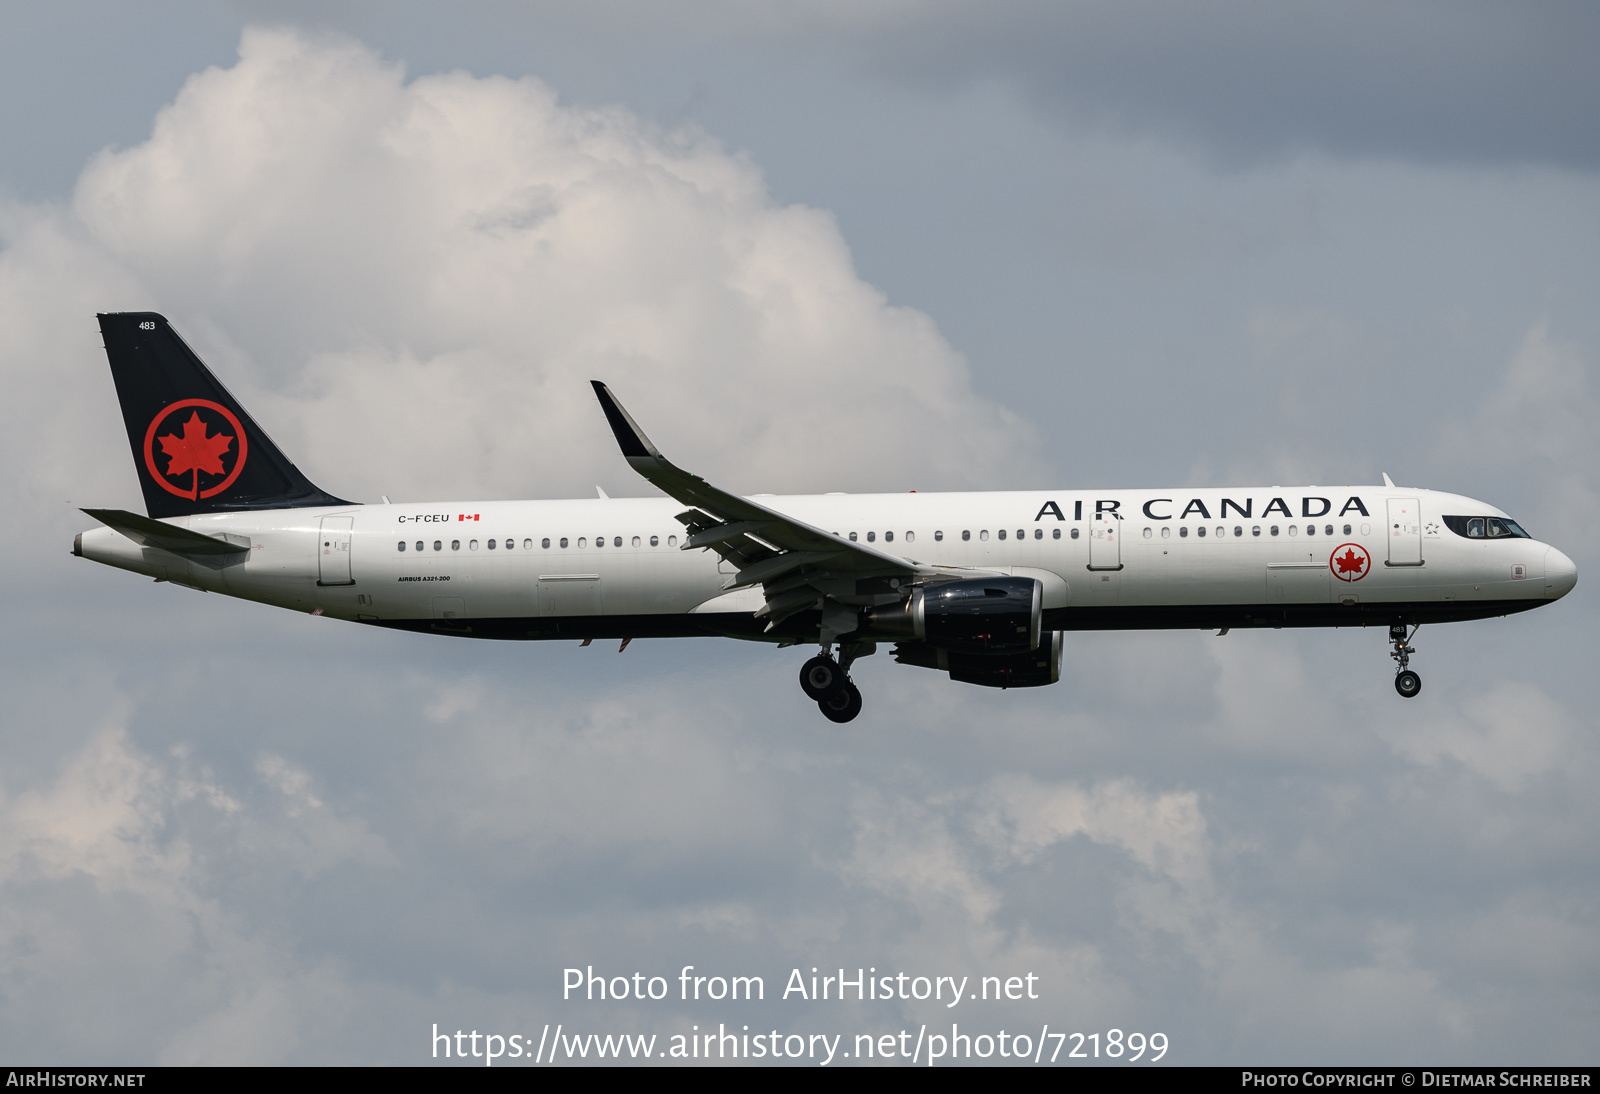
(981, 586)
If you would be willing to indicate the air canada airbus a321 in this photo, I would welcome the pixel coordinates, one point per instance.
(978, 585)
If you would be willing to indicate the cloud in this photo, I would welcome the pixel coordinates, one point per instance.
(1246, 79)
(1538, 425)
(413, 282)
(111, 936)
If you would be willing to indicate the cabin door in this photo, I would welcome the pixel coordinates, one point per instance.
(1105, 543)
(1405, 532)
(333, 552)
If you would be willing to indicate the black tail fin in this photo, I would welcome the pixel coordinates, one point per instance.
(195, 447)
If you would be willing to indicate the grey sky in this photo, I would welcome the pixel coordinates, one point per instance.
(1273, 245)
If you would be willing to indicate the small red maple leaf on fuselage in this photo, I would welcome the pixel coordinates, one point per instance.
(194, 451)
(1350, 562)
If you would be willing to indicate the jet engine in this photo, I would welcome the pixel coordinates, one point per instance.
(982, 616)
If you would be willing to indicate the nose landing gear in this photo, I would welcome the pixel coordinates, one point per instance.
(1406, 682)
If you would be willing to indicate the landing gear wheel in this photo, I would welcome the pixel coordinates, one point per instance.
(1407, 683)
(843, 706)
(821, 678)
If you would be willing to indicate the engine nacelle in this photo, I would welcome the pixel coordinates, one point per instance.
(982, 616)
(1032, 669)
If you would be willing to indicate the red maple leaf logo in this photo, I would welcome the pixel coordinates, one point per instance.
(194, 451)
(1349, 562)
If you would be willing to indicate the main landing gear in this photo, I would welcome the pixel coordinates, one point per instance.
(1406, 682)
(828, 682)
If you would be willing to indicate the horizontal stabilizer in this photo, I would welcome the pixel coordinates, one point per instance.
(168, 537)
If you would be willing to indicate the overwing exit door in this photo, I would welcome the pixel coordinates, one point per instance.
(333, 551)
(1405, 532)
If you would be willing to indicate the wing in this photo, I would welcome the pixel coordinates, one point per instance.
(799, 567)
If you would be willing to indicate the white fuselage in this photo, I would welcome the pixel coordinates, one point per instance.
(1107, 558)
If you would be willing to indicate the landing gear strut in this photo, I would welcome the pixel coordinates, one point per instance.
(828, 682)
(1406, 682)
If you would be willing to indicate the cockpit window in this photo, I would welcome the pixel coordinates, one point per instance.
(1486, 528)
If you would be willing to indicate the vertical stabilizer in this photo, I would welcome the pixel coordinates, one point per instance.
(195, 449)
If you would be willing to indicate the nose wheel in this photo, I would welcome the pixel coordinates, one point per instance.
(1406, 682)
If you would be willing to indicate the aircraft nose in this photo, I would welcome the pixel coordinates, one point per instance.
(1560, 574)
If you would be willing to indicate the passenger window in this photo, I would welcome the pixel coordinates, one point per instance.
(655, 541)
(888, 537)
(1237, 531)
(527, 544)
(911, 537)
(672, 541)
(438, 545)
(1038, 533)
(983, 533)
(1166, 531)
(563, 542)
(473, 545)
(455, 545)
(1055, 533)
(636, 541)
(583, 541)
(616, 541)
(1022, 533)
(1074, 533)
(852, 537)
(1183, 532)
(1328, 531)
(1294, 529)
(872, 537)
(1274, 529)
(1201, 531)
(938, 536)
(1311, 529)
(419, 545)
(491, 544)
(1347, 529)
(1255, 530)
(966, 534)
(1148, 533)
(545, 543)
(402, 545)
(1221, 531)
(599, 542)
(1002, 533)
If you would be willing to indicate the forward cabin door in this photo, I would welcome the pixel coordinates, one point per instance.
(1105, 543)
(1405, 532)
(333, 552)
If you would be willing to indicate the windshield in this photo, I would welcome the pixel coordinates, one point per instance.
(1486, 527)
